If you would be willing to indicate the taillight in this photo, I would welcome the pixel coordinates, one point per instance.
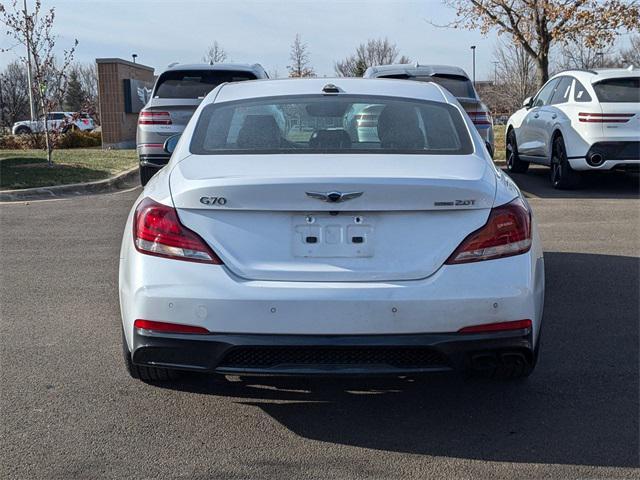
(151, 117)
(506, 233)
(497, 327)
(587, 117)
(166, 327)
(158, 231)
(480, 118)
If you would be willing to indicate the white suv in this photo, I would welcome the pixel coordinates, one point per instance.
(56, 121)
(580, 120)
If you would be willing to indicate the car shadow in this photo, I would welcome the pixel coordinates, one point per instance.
(615, 184)
(580, 406)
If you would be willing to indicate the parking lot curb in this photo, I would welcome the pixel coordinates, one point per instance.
(99, 186)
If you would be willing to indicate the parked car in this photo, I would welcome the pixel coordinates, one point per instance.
(455, 80)
(56, 121)
(177, 93)
(302, 251)
(579, 121)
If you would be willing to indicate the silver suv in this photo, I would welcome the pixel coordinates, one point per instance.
(176, 95)
(453, 79)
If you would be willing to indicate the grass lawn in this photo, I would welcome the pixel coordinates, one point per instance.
(498, 130)
(28, 168)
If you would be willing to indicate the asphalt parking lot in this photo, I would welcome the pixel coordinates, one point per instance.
(69, 410)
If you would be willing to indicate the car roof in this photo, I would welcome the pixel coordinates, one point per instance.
(255, 67)
(414, 70)
(310, 86)
(599, 74)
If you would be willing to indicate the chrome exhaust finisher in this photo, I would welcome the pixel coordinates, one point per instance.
(595, 159)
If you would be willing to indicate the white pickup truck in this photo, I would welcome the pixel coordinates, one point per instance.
(56, 121)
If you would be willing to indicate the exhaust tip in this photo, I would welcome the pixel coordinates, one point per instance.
(595, 159)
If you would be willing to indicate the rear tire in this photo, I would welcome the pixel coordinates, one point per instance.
(563, 177)
(146, 173)
(146, 374)
(23, 131)
(514, 163)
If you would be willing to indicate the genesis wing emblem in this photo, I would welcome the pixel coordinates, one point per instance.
(334, 197)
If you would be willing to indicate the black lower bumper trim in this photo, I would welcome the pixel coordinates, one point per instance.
(327, 354)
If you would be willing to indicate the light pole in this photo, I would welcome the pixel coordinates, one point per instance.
(32, 109)
(473, 49)
(134, 56)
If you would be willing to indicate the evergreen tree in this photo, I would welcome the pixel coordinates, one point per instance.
(74, 98)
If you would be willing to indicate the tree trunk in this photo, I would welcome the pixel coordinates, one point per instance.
(542, 66)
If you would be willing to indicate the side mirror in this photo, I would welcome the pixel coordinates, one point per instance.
(171, 142)
(528, 102)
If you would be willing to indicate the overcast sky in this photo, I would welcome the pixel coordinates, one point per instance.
(166, 31)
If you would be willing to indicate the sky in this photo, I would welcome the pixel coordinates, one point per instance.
(166, 31)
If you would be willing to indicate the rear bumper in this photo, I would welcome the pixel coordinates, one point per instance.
(611, 155)
(155, 161)
(331, 354)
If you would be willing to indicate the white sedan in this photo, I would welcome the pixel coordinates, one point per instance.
(296, 249)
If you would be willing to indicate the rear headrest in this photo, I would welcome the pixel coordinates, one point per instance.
(335, 139)
(259, 131)
(398, 128)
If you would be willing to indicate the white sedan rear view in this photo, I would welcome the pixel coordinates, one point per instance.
(274, 242)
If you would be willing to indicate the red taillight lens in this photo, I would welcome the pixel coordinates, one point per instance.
(497, 327)
(587, 117)
(158, 231)
(154, 118)
(480, 118)
(168, 327)
(506, 233)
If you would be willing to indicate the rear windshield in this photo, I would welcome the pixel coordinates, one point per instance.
(195, 83)
(459, 86)
(618, 90)
(323, 124)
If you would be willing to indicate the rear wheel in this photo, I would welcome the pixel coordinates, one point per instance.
(23, 130)
(146, 374)
(146, 173)
(514, 164)
(563, 177)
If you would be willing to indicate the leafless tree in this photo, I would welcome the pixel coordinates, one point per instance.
(539, 25)
(578, 54)
(374, 52)
(515, 73)
(631, 55)
(87, 74)
(34, 30)
(299, 56)
(215, 54)
(14, 94)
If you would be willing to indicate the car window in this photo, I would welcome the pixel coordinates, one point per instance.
(544, 95)
(580, 93)
(618, 90)
(562, 91)
(195, 83)
(55, 116)
(458, 85)
(317, 124)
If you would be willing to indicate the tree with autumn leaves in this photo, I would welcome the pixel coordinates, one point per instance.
(538, 25)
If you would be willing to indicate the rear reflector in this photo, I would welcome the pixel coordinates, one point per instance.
(587, 117)
(158, 231)
(497, 327)
(506, 233)
(168, 327)
(154, 118)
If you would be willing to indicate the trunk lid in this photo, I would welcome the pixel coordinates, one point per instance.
(407, 215)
